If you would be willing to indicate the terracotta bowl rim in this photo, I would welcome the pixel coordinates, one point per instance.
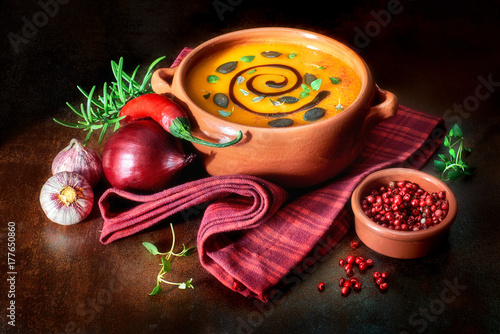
(365, 94)
(413, 176)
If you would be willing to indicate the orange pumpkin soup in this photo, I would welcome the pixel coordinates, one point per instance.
(272, 85)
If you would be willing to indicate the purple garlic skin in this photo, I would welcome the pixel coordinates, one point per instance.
(66, 198)
(81, 160)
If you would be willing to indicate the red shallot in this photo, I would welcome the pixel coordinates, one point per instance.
(142, 156)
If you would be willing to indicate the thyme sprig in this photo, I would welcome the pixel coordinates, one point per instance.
(166, 264)
(103, 112)
(454, 166)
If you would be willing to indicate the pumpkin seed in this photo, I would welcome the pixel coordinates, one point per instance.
(309, 78)
(224, 113)
(227, 67)
(207, 95)
(271, 54)
(221, 100)
(314, 114)
(280, 122)
(257, 98)
(288, 99)
(240, 80)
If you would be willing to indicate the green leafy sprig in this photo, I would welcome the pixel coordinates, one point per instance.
(453, 166)
(103, 111)
(166, 264)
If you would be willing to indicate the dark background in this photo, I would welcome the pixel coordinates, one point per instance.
(434, 55)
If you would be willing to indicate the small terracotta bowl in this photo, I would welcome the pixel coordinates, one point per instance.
(401, 244)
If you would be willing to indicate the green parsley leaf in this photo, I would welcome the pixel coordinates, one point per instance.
(335, 80)
(212, 78)
(303, 94)
(316, 84)
(247, 59)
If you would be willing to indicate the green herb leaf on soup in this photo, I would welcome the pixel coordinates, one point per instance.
(316, 84)
(335, 80)
(213, 78)
(303, 94)
(247, 59)
(252, 71)
(292, 55)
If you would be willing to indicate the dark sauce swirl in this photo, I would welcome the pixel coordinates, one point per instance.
(274, 85)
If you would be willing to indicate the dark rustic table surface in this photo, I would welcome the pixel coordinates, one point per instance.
(440, 57)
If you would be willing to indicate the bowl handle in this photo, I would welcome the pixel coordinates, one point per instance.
(162, 78)
(385, 107)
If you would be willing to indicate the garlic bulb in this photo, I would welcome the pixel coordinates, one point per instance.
(81, 160)
(66, 198)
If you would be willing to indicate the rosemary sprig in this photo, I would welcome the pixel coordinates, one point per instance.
(454, 166)
(166, 264)
(103, 111)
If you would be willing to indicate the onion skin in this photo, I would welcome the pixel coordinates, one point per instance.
(66, 213)
(142, 156)
(81, 160)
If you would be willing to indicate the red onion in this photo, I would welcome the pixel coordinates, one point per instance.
(81, 160)
(142, 156)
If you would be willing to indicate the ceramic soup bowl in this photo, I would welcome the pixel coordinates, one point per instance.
(291, 156)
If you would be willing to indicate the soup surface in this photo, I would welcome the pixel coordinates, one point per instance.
(272, 85)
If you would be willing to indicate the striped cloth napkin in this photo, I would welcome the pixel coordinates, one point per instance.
(253, 237)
